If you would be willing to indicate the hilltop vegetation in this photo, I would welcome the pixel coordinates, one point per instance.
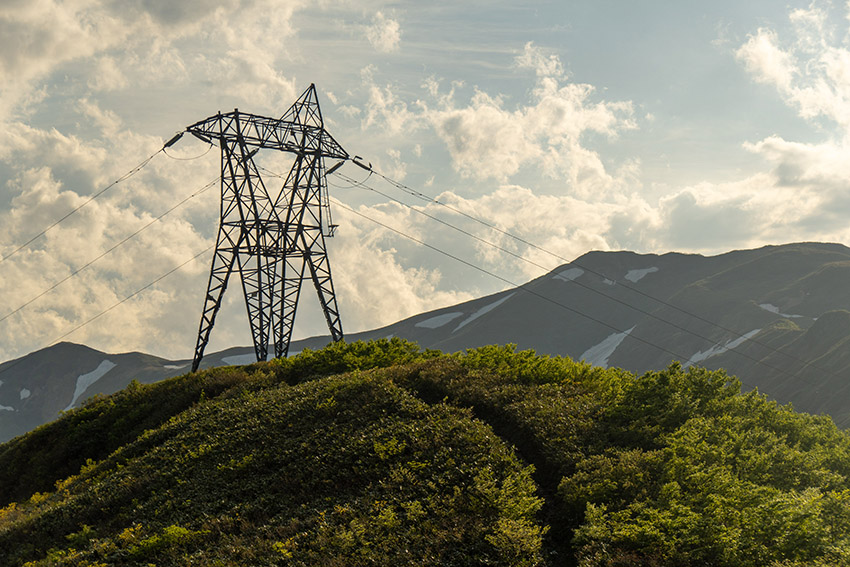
(378, 454)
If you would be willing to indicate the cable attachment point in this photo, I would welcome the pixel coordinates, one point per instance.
(358, 163)
(173, 140)
(334, 168)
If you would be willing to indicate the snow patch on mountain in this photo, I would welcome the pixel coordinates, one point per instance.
(25, 393)
(439, 320)
(774, 309)
(568, 275)
(239, 359)
(483, 311)
(598, 355)
(86, 380)
(635, 276)
(6, 408)
(720, 349)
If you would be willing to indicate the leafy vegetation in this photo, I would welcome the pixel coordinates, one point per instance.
(376, 453)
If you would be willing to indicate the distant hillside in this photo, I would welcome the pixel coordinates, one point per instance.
(777, 317)
(379, 454)
(34, 389)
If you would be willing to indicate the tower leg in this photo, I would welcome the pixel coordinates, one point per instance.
(258, 282)
(222, 266)
(293, 266)
(320, 271)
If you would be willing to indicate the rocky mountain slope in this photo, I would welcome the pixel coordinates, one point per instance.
(777, 317)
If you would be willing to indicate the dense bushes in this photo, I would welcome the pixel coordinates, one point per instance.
(34, 462)
(346, 470)
(422, 458)
(674, 467)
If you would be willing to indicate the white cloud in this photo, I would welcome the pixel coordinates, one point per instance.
(119, 66)
(374, 287)
(763, 58)
(94, 86)
(803, 196)
(484, 139)
(39, 36)
(384, 34)
(384, 109)
(488, 140)
(543, 63)
(812, 72)
(108, 76)
(76, 242)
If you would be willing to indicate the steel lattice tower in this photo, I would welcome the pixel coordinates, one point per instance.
(273, 240)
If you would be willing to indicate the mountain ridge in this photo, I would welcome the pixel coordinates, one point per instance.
(643, 311)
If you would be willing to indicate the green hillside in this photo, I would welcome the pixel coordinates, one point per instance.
(378, 454)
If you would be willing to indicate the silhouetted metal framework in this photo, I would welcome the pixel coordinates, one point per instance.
(274, 240)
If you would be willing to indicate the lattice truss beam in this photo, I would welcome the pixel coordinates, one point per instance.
(273, 240)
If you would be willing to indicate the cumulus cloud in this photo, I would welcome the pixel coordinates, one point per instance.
(544, 64)
(39, 36)
(802, 196)
(122, 64)
(108, 76)
(487, 139)
(811, 71)
(359, 253)
(384, 34)
(764, 58)
(96, 85)
(70, 246)
(384, 109)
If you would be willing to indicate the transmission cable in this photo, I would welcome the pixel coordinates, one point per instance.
(14, 363)
(80, 269)
(522, 287)
(355, 183)
(546, 269)
(132, 295)
(124, 177)
(211, 146)
(734, 332)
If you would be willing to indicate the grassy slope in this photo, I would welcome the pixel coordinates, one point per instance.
(420, 458)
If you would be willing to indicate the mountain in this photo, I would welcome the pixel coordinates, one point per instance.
(380, 454)
(777, 317)
(36, 388)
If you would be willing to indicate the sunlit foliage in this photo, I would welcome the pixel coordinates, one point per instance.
(379, 454)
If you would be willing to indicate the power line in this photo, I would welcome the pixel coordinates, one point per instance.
(122, 242)
(132, 295)
(11, 365)
(734, 332)
(523, 287)
(362, 184)
(188, 158)
(531, 262)
(124, 177)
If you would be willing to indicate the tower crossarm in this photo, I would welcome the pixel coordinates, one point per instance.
(271, 133)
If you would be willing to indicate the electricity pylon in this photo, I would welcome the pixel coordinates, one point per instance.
(273, 240)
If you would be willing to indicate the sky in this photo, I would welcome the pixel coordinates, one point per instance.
(651, 126)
